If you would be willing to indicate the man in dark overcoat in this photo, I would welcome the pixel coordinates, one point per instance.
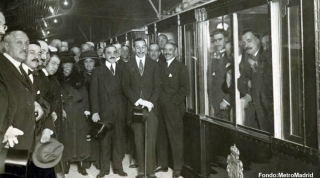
(108, 106)
(141, 86)
(22, 107)
(174, 89)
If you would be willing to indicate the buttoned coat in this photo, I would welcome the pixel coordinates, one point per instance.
(21, 97)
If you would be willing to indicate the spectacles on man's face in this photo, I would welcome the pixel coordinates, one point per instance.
(5, 27)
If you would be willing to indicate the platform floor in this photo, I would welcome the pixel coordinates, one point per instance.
(132, 172)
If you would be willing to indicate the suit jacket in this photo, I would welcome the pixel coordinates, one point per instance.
(3, 110)
(175, 82)
(135, 86)
(21, 99)
(44, 95)
(217, 69)
(106, 96)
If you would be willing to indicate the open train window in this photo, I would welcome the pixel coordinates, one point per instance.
(253, 68)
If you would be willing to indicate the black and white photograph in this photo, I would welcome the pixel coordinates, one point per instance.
(159, 88)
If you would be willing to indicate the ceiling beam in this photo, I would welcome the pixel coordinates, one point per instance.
(158, 12)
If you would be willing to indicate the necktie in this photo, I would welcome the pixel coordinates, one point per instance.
(111, 69)
(32, 72)
(24, 74)
(140, 67)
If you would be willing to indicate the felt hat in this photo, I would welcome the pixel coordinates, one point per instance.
(47, 155)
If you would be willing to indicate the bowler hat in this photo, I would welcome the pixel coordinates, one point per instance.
(47, 155)
(66, 57)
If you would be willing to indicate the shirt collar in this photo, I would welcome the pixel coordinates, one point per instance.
(170, 61)
(45, 72)
(108, 64)
(13, 61)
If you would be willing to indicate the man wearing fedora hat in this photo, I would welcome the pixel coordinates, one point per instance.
(108, 106)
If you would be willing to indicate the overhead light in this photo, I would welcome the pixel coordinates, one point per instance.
(48, 32)
(46, 39)
(65, 4)
(55, 20)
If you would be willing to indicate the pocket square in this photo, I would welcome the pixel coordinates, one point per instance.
(38, 92)
(170, 75)
(214, 74)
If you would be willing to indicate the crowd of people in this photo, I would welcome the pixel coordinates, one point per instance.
(51, 93)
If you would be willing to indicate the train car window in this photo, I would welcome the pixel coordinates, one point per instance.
(253, 68)
(220, 69)
(191, 62)
(292, 73)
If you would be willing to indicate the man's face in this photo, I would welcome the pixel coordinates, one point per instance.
(89, 64)
(219, 41)
(111, 54)
(76, 51)
(17, 46)
(169, 51)
(85, 47)
(56, 43)
(154, 51)
(100, 52)
(162, 40)
(64, 46)
(251, 43)
(53, 65)
(124, 52)
(265, 42)
(67, 68)
(44, 51)
(118, 46)
(140, 48)
(3, 26)
(33, 56)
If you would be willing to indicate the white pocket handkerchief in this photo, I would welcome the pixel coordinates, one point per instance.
(170, 75)
(214, 74)
(38, 92)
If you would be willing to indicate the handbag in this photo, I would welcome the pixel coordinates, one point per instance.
(139, 115)
(100, 129)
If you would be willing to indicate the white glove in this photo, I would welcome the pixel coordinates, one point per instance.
(87, 113)
(45, 136)
(95, 117)
(64, 114)
(54, 116)
(147, 104)
(11, 136)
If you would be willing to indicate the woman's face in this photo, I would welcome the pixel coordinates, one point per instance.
(67, 68)
(89, 64)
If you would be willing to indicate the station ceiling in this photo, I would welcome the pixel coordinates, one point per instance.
(78, 21)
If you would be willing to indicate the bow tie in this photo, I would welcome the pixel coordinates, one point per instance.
(32, 72)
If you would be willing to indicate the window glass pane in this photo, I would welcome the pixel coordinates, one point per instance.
(292, 61)
(220, 85)
(192, 64)
(255, 69)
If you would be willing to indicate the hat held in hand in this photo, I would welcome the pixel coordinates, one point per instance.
(47, 155)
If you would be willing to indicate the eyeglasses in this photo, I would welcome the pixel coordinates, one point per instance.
(5, 27)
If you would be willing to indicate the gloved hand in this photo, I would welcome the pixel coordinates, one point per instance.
(147, 104)
(54, 116)
(11, 136)
(95, 117)
(45, 136)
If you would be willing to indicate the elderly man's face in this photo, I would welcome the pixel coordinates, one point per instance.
(33, 56)
(252, 43)
(3, 26)
(17, 46)
(162, 40)
(169, 51)
(56, 43)
(53, 65)
(154, 51)
(111, 54)
(44, 51)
